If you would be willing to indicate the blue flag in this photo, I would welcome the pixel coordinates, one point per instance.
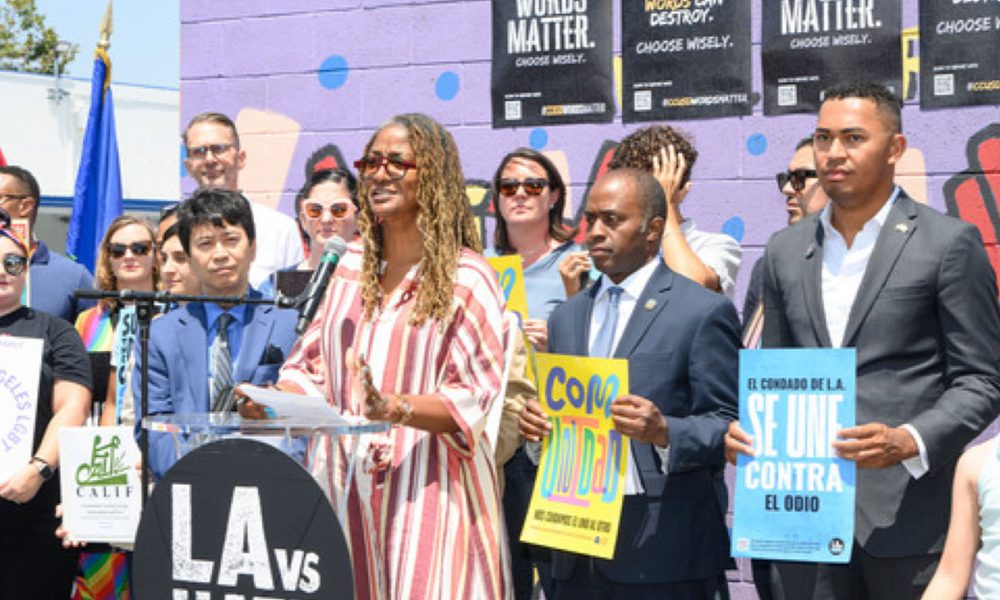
(97, 197)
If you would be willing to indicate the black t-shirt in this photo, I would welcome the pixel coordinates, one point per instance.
(63, 357)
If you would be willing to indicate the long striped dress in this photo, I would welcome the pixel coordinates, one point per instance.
(423, 508)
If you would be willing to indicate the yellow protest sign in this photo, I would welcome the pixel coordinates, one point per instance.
(577, 501)
(511, 275)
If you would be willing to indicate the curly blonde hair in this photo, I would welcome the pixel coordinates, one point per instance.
(105, 276)
(444, 219)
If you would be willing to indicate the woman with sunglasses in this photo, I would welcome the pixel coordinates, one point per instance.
(327, 207)
(529, 195)
(125, 261)
(33, 563)
(411, 333)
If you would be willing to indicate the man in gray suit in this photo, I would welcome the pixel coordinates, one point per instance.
(913, 291)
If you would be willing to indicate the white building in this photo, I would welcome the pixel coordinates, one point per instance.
(42, 129)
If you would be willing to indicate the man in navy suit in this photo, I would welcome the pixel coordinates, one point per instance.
(682, 343)
(188, 372)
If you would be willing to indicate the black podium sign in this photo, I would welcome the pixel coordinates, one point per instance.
(238, 519)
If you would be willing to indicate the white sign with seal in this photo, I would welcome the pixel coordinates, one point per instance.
(20, 371)
(100, 484)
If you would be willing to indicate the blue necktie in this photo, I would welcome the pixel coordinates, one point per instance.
(604, 342)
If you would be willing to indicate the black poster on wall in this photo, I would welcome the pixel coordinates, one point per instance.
(809, 45)
(959, 53)
(685, 59)
(552, 62)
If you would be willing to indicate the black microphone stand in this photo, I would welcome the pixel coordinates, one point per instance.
(145, 305)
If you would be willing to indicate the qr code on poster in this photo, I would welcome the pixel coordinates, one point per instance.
(512, 110)
(788, 95)
(642, 100)
(944, 84)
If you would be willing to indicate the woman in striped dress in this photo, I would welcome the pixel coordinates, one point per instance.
(411, 333)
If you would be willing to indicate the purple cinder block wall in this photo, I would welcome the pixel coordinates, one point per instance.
(314, 78)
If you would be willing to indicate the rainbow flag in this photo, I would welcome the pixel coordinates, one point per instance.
(104, 576)
(94, 326)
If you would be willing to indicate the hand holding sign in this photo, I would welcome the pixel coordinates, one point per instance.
(533, 421)
(537, 332)
(875, 445)
(737, 442)
(639, 419)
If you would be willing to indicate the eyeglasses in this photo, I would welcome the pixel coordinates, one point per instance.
(201, 152)
(13, 264)
(532, 186)
(395, 167)
(797, 178)
(137, 248)
(5, 198)
(314, 210)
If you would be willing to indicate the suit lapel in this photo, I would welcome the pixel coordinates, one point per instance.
(258, 321)
(653, 299)
(812, 284)
(583, 316)
(193, 328)
(899, 226)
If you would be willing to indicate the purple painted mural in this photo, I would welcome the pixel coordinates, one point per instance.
(309, 81)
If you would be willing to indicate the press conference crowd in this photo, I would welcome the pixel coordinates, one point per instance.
(412, 328)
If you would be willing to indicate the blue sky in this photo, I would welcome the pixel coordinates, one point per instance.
(145, 44)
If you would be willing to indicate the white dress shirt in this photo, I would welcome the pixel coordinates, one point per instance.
(632, 288)
(843, 269)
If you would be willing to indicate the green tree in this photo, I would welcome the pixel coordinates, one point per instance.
(26, 44)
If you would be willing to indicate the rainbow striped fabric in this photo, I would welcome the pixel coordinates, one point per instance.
(94, 326)
(104, 576)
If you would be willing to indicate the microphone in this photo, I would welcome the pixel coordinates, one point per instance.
(312, 297)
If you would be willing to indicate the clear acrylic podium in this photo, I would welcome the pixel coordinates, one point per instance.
(190, 431)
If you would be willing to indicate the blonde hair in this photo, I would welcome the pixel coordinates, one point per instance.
(444, 219)
(105, 275)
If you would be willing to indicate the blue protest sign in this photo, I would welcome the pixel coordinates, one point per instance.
(795, 498)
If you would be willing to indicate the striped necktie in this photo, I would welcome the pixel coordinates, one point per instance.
(222, 366)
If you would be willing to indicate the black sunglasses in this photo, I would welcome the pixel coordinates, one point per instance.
(14, 264)
(797, 178)
(137, 248)
(532, 186)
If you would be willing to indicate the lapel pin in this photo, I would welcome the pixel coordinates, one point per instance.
(901, 228)
(650, 304)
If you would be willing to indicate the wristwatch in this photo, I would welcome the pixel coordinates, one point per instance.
(43, 467)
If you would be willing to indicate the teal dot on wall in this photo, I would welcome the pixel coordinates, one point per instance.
(447, 85)
(184, 154)
(333, 72)
(538, 138)
(757, 144)
(734, 228)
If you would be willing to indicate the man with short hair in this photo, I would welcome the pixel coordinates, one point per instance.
(711, 259)
(913, 292)
(681, 342)
(51, 276)
(199, 351)
(214, 159)
(803, 196)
